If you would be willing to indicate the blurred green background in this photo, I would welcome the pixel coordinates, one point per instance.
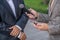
(38, 5)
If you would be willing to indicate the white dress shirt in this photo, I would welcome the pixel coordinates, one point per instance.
(11, 4)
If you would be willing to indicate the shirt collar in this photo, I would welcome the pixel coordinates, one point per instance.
(9, 0)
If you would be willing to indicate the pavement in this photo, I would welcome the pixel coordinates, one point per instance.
(34, 34)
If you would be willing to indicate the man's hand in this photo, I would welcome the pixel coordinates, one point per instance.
(15, 31)
(23, 36)
(41, 26)
(35, 14)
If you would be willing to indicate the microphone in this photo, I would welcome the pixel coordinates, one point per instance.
(26, 10)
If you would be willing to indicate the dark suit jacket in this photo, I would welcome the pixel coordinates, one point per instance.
(7, 17)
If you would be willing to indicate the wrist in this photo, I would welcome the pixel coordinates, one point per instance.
(18, 27)
(19, 35)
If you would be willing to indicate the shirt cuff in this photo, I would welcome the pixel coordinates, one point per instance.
(18, 27)
(19, 35)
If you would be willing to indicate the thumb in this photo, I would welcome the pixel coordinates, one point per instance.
(25, 12)
(30, 9)
(39, 24)
(11, 28)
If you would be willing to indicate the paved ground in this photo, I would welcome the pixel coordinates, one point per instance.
(34, 34)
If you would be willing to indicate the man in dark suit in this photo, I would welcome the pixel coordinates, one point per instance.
(12, 20)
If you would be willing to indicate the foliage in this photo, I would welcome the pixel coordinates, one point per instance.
(38, 5)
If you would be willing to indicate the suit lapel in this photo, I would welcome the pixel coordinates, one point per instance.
(51, 8)
(6, 5)
(16, 3)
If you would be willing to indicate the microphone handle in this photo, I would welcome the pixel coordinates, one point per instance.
(28, 11)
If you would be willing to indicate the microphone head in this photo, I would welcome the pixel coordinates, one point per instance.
(21, 6)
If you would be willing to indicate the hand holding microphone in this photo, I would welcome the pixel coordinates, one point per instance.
(32, 14)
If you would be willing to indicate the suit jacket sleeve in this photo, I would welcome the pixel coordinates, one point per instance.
(43, 17)
(54, 23)
(23, 20)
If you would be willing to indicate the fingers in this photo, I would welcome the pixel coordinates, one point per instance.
(23, 36)
(30, 16)
(15, 31)
(12, 33)
(38, 26)
(33, 12)
(30, 9)
(41, 26)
